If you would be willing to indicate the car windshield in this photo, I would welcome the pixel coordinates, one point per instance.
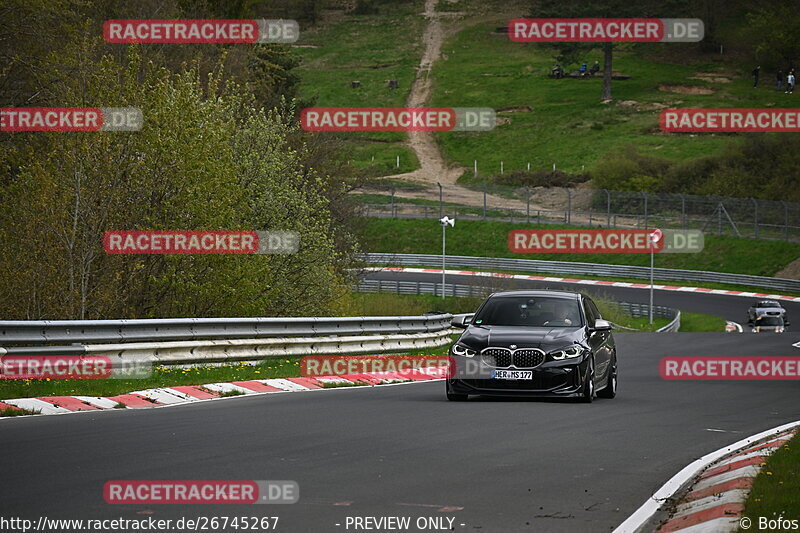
(541, 311)
(767, 304)
(769, 321)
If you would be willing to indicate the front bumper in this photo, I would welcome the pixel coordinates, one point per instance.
(550, 379)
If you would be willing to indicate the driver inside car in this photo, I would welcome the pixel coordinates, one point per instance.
(564, 316)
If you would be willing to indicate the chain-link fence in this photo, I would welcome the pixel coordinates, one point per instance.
(718, 215)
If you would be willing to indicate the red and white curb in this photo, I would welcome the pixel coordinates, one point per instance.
(716, 500)
(185, 394)
(720, 483)
(588, 282)
(731, 327)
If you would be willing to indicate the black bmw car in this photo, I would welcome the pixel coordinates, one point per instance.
(534, 343)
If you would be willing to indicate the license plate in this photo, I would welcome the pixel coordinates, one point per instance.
(512, 374)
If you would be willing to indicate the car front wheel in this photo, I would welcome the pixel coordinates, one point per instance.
(610, 390)
(587, 393)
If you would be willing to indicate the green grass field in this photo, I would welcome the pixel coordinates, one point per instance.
(490, 239)
(371, 49)
(547, 121)
(776, 488)
(567, 125)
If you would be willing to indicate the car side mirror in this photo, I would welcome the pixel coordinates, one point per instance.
(460, 321)
(602, 325)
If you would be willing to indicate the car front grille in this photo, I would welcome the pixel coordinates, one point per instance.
(506, 357)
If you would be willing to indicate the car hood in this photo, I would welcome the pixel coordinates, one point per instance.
(479, 337)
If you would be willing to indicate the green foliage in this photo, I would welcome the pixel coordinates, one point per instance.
(206, 158)
(758, 166)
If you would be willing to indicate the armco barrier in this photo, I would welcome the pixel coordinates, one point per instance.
(585, 269)
(212, 340)
(458, 290)
(176, 329)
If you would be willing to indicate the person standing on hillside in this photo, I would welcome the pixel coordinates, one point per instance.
(790, 82)
(779, 79)
(756, 72)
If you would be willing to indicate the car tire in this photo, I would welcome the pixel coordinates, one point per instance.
(456, 397)
(610, 390)
(587, 392)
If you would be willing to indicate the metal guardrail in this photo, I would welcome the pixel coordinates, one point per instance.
(588, 269)
(177, 329)
(459, 290)
(211, 340)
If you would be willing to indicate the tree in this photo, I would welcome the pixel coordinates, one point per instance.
(602, 9)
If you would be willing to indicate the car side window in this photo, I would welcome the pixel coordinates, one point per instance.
(595, 310)
(590, 313)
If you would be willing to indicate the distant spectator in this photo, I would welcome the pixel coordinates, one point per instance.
(756, 72)
(557, 72)
(583, 69)
(779, 79)
(595, 68)
(790, 82)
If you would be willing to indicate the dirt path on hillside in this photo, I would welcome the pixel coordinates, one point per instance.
(433, 167)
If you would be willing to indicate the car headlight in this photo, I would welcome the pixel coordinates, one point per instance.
(567, 353)
(460, 349)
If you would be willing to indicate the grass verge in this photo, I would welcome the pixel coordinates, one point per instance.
(776, 488)
(490, 239)
(695, 322)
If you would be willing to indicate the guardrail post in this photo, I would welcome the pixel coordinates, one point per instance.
(484, 201)
(755, 217)
(393, 211)
(608, 207)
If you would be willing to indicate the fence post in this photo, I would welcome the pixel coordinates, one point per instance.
(755, 218)
(608, 207)
(393, 212)
(441, 200)
(484, 201)
(528, 205)
(644, 193)
(475, 167)
(568, 216)
(785, 220)
(683, 211)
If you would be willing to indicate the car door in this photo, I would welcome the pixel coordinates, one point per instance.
(600, 342)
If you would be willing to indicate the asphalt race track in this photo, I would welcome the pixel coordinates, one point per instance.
(492, 465)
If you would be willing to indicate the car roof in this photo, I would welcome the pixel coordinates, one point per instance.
(534, 293)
